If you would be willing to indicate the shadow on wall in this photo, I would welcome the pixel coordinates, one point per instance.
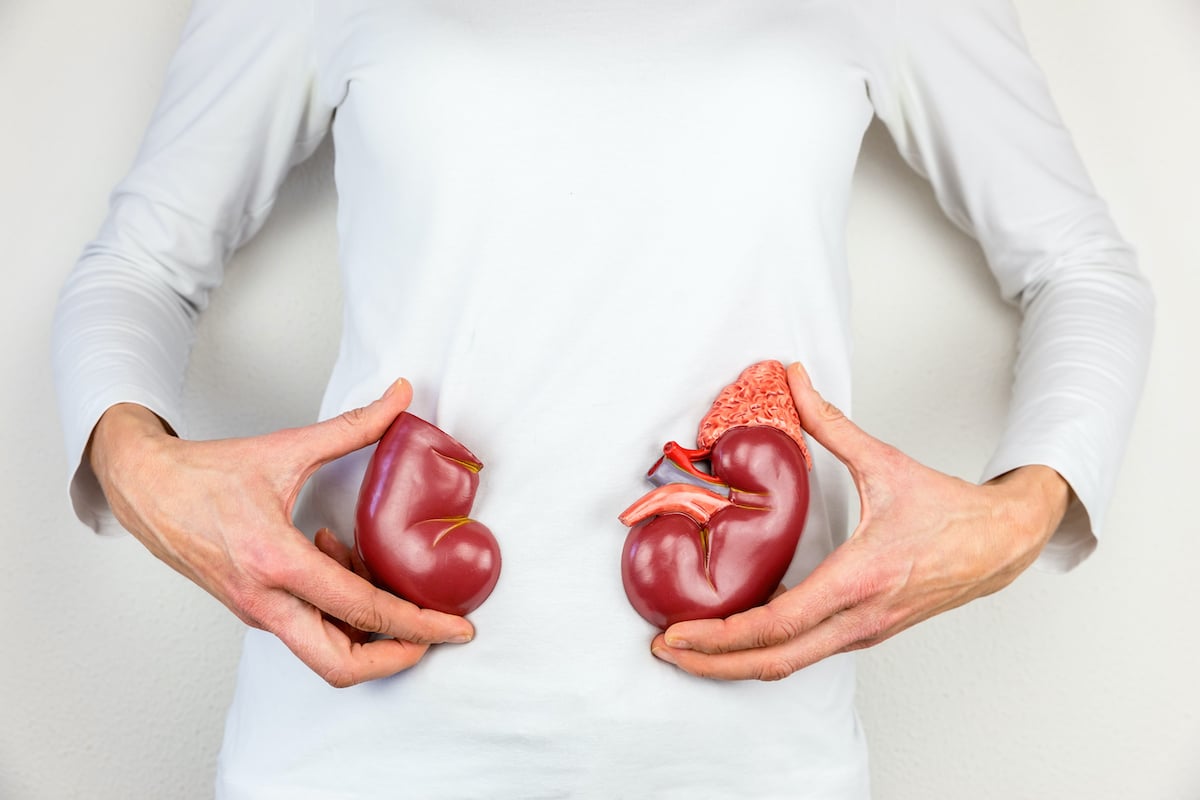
(265, 347)
(927, 315)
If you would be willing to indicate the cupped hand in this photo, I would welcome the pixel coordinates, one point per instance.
(926, 543)
(220, 513)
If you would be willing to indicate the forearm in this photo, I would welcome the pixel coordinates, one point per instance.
(1084, 346)
(121, 335)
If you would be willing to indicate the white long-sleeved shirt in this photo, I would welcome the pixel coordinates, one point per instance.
(523, 188)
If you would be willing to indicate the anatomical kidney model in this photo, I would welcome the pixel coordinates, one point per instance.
(411, 526)
(707, 545)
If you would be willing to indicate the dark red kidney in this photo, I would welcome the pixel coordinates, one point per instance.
(412, 528)
(676, 569)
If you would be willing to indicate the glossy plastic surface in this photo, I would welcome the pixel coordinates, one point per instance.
(412, 527)
(710, 544)
(675, 567)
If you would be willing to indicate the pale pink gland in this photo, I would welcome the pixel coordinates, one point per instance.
(759, 396)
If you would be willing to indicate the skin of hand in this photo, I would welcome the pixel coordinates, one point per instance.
(220, 513)
(926, 543)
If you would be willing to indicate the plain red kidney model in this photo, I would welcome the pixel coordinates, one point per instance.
(707, 545)
(411, 525)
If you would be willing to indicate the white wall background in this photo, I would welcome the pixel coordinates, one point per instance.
(115, 673)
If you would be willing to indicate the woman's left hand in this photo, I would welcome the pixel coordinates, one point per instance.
(927, 542)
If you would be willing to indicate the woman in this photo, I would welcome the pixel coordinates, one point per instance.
(569, 225)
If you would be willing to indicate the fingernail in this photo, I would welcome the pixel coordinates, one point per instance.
(663, 654)
(801, 373)
(679, 644)
(395, 385)
(462, 638)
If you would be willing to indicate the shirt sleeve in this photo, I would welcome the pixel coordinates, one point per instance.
(969, 109)
(239, 107)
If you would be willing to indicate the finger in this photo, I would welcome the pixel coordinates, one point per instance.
(329, 544)
(819, 596)
(827, 424)
(332, 546)
(356, 428)
(339, 661)
(835, 634)
(316, 579)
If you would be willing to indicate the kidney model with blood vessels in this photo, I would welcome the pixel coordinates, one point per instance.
(707, 544)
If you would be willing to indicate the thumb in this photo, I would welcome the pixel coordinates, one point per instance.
(826, 423)
(354, 429)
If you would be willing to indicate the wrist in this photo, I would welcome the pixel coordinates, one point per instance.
(1033, 499)
(124, 429)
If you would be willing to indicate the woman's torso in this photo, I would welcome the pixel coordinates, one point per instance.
(569, 225)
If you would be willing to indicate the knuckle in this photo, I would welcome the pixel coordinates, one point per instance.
(354, 417)
(879, 626)
(862, 631)
(366, 617)
(829, 412)
(776, 630)
(775, 669)
(866, 641)
(340, 676)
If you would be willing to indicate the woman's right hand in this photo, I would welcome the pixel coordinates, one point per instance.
(220, 513)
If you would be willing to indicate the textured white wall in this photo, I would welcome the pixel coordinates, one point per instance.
(115, 673)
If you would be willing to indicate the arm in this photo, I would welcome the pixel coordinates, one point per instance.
(242, 103)
(970, 110)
